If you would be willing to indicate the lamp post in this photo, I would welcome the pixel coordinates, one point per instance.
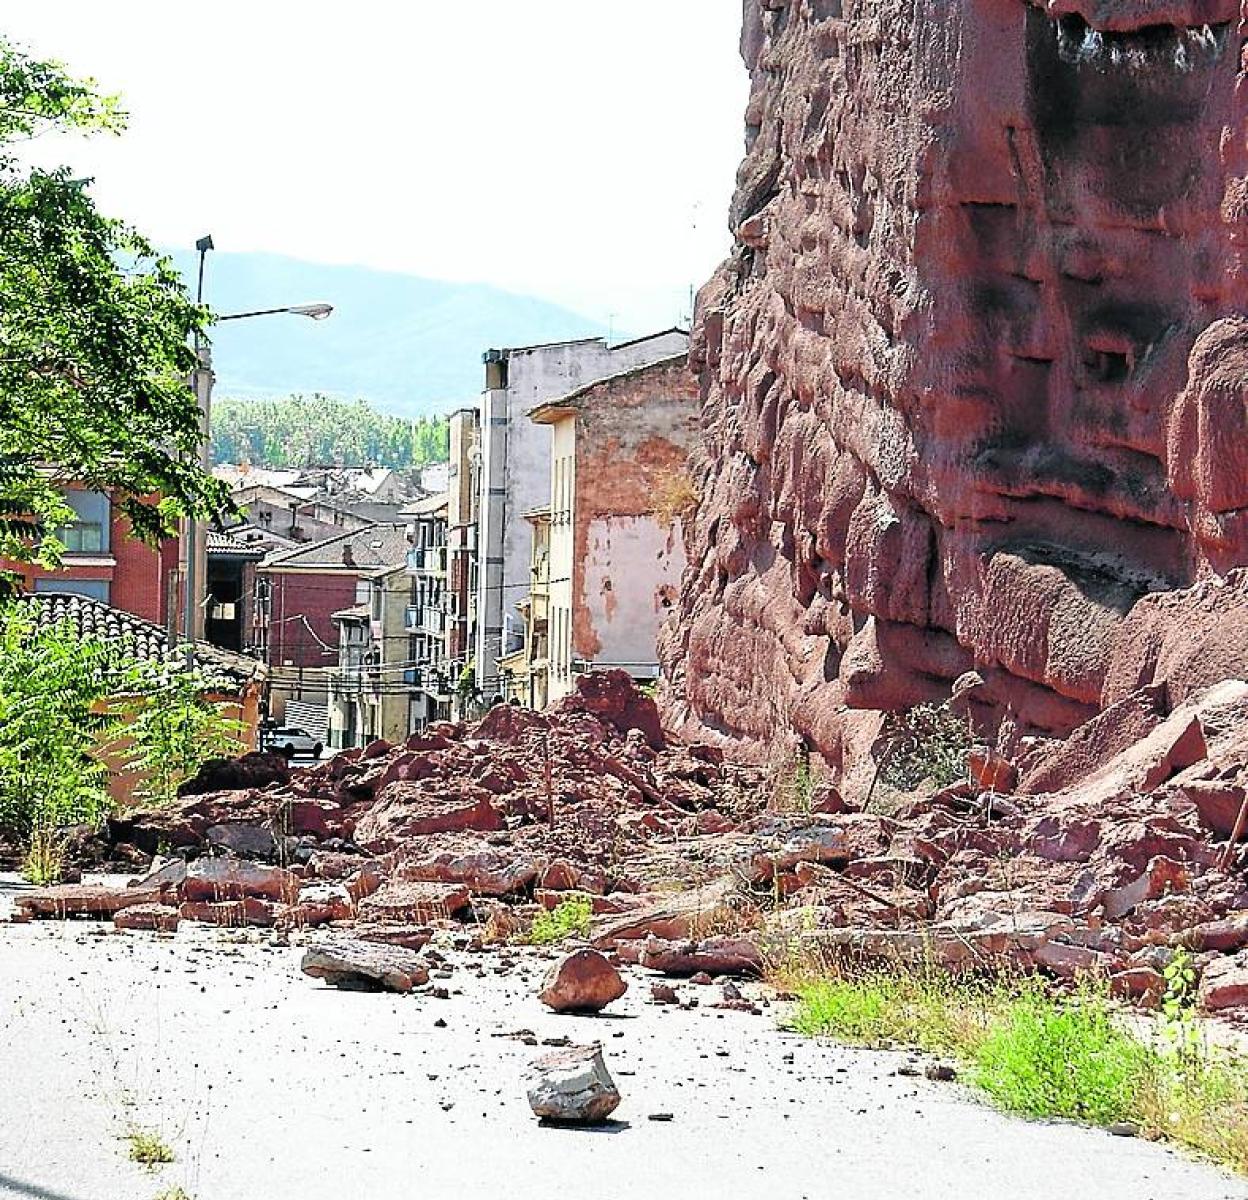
(196, 544)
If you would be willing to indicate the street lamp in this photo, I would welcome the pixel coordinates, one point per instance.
(318, 312)
(196, 542)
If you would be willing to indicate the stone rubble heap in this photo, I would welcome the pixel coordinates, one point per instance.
(1107, 853)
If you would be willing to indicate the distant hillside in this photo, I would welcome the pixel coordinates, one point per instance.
(307, 431)
(408, 345)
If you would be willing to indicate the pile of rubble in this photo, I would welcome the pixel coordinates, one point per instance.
(1105, 853)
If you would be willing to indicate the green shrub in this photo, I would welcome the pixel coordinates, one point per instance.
(925, 744)
(1041, 1055)
(569, 918)
(1062, 1059)
(174, 729)
(53, 685)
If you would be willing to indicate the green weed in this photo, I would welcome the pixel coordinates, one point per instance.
(148, 1148)
(1048, 1058)
(569, 918)
(1043, 1055)
(44, 863)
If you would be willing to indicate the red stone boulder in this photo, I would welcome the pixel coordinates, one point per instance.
(158, 918)
(486, 872)
(232, 913)
(1224, 984)
(583, 981)
(412, 903)
(714, 956)
(405, 809)
(214, 879)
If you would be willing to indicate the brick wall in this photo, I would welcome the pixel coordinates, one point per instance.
(313, 597)
(138, 578)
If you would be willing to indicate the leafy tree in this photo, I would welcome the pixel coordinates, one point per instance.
(174, 729)
(319, 430)
(94, 338)
(52, 687)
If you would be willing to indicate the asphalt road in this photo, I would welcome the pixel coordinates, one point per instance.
(267, 1084)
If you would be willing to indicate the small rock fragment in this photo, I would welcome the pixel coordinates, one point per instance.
(572, 1085)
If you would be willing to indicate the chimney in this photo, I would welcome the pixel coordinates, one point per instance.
(348, 555)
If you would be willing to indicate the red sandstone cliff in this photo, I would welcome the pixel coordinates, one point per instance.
(974, 377)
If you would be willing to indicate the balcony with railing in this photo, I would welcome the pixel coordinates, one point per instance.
(427, 560)
(425, 618)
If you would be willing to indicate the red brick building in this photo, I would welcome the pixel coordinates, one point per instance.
(297, 593)
(104, 562)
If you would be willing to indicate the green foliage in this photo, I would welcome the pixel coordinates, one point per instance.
(174, 730)
(317, 430)
(569, 918)
(52, 684)
(924, 744)
(1042, 1055)
(94, 344)
(1062, 1059)
(923, 1009)
(45, 858)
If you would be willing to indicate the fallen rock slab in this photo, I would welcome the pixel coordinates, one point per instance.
(350, 962)
(583, 981)
(158, 918)
(84, 900)
(675, 918)
(837, 839)
(409, 937)
(245, 840)
(319, 904)
(405, 810)
(233, 879)
(234, 914)
(713, 956)
(414, 903)
(487, 873)
(1224, 984)
(572, 1085)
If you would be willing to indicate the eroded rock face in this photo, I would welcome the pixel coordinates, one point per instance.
(974, 376)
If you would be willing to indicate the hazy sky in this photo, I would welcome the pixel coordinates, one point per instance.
(579, 151)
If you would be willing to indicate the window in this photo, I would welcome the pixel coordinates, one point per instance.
(88, 532)
(92, 589)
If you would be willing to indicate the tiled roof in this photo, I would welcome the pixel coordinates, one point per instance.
(227, 546)
(428, 506)
(355, 551)
(147, 641)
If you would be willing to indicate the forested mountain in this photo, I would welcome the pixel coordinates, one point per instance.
(318, 430)
(408, 345)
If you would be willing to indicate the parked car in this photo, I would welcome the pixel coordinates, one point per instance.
(290, 740)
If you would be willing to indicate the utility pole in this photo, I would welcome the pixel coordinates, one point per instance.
(196, 549)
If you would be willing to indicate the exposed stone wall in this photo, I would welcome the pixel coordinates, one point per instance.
(974, 376)
(633, 436)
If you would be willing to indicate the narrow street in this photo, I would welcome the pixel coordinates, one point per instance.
(266, 1083)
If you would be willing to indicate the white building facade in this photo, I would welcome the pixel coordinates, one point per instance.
(516, 470)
